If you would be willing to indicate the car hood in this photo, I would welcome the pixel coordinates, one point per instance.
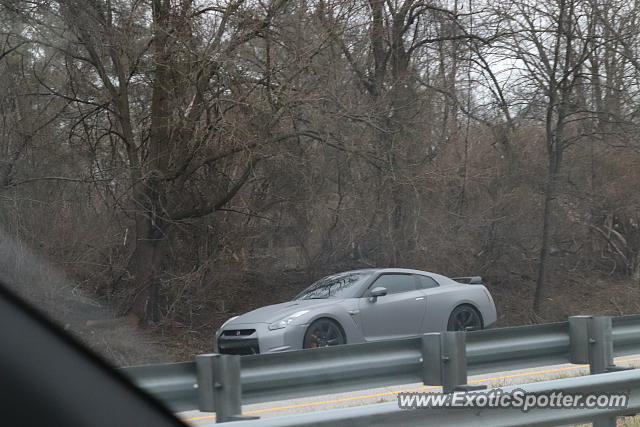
(275, 312)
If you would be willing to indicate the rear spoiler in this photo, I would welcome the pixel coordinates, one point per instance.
(471, 280)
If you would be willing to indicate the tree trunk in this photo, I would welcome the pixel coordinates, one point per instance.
(151, 216)
(546, 231)
(144, 267)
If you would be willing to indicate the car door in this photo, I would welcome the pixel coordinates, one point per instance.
(437, 304)
(395, 315)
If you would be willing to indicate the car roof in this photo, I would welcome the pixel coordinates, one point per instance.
(440, 278)
(390, 270)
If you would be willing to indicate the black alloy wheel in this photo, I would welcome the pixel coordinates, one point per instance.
(464, 318)
(323, 333)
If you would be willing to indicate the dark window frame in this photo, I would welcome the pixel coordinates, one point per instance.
(428, 277)
(373, 284)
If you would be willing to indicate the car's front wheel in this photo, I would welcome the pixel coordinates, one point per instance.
(464, 318)
(323, 333)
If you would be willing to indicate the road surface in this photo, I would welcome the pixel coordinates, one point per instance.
(388, 394)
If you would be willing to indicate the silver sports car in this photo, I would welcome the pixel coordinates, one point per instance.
(361, 306)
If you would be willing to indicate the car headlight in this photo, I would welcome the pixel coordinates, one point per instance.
(283, 323)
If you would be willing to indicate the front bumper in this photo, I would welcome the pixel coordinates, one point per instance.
(256, 338)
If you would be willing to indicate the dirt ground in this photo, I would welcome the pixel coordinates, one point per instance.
(566, 297)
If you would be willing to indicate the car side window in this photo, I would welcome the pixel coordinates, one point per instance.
(426, 282)
(395, 283)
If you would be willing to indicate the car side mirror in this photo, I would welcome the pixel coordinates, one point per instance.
(377, 292)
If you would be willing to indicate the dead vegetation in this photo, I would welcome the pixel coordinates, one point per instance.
(182, 163)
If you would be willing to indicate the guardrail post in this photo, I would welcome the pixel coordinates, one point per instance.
(592, 342)
(444, 361)
(605, 422)
(219, 386)
(601, 345)
(579, 339)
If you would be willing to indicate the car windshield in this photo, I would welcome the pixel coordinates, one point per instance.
(343, 285)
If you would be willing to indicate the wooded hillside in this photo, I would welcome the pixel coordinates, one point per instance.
(187, 160)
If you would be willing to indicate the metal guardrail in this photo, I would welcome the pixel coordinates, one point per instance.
(330, 370)
(278, 376)
(281, 376)
(626, 334)
(385, 414)
(175, 384)
(519, 347)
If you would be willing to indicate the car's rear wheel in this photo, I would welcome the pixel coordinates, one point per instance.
(323, 333)
(464, 318)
